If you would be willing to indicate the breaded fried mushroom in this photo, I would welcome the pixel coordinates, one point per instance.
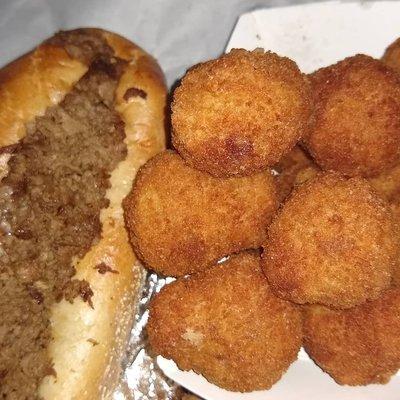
(240, 113)
(334, 242)
(357, 117)
(391, 57)
(182, 220)
(226, 324)
(358, 346)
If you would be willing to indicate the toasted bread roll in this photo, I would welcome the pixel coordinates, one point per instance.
(93, 102)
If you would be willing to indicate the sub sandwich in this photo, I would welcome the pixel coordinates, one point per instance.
(78, 116)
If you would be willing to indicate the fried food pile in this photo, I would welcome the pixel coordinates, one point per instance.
(211, 322)
(278, 214)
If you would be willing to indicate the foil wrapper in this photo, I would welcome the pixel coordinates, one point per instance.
(142, 379)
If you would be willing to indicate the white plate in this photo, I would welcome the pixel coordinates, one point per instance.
(314, 35)
(303, 381)
(319, 34)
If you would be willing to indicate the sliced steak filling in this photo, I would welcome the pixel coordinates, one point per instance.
(50, 204)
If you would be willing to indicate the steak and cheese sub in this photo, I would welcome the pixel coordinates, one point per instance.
(78, 116)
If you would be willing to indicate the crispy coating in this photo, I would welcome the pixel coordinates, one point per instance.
(240, 113)
(358, 346)
(388, 184)
(334, 242)
(295, 163)
(395, 207)
(226, 324)
(357, 117)
(182, 220)
(391, 57)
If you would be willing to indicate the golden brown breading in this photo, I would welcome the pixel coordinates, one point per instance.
(182, 220)
(388, 184)
(357, 117)
(226, 324)
(358, 346)
(334, 242)
(240, 113)
(295, 162)
(388, 187)
(391, 57)
(395, 207)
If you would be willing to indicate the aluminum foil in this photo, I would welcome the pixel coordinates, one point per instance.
(142, 378)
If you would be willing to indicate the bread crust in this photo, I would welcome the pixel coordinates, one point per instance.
(88, 343)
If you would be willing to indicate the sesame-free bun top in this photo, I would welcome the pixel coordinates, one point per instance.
(240, 113)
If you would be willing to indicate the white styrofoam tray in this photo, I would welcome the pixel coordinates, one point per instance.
(314, 35)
